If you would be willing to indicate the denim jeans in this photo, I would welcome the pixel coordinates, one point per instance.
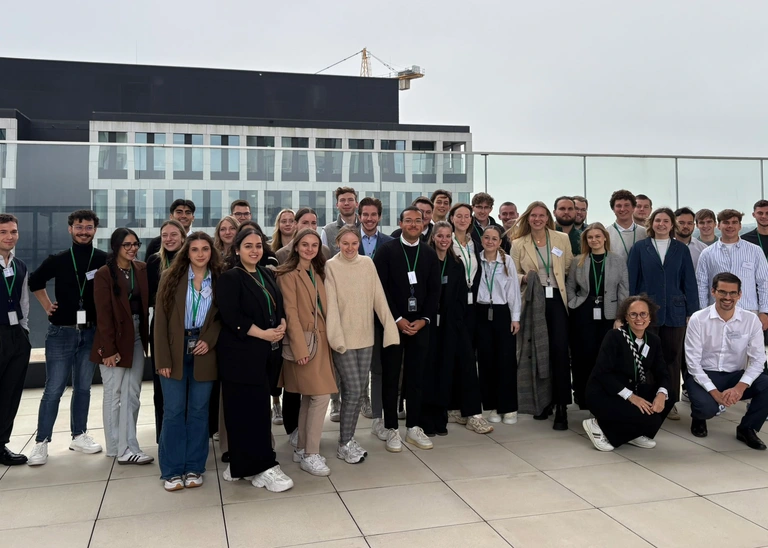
(184, 437)
(66, 351)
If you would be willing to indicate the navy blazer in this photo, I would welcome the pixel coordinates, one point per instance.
(672, 286)
(381, 239)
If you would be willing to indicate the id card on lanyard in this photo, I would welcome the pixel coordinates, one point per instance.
(13, 317)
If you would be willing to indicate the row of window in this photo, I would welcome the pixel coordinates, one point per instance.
(150, 162)
(3, 153)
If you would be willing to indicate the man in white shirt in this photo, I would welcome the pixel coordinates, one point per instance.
(624, 232)
(725, 356)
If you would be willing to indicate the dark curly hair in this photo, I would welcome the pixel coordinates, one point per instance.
(621, 314)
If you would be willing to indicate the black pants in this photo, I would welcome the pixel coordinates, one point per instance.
(291, 406)
(412, 354)
(496, 358)
(559, 359)
(672, 339)
(621, 421)
(15, 349)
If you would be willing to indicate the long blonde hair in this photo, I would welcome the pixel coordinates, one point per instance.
(522, 228)
(585, 251)
(217, 242)
(277, 236)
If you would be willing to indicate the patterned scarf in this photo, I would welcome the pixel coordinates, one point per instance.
(635, 354)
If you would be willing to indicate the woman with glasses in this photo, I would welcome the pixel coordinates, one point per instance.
(226, 230)
(285, 229)
(172, 236)
(121, 292)
(662, 268)
(628, 391)
(597, 284)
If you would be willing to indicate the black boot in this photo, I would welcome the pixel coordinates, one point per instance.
(561, 418)
(545, 414)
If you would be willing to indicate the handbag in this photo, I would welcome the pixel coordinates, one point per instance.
(310, 338)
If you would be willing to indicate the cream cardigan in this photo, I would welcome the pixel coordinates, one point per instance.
(354, 295)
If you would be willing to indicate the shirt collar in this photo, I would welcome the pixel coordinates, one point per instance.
(192, 274)
(496, 260)
(719, 242)
(405, 242)
(737, 314)
(631, 228)
(369, 238)
(10, 260)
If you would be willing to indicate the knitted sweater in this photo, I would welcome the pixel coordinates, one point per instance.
(354, 295)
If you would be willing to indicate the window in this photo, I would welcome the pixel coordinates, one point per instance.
(405, 199)
(187, 162)
(328, 164)
(424, 164)
(162, 201)
(225, 163)
(317, 201)
(209, 208)
(131, 208)
(100, 204)
(361, 163)
(295, 162)
(392, 164)
(261, 163)
(3, 154)
(274, 201)
(454, 168)
(385, 205)
(113, 160)
(149, 161)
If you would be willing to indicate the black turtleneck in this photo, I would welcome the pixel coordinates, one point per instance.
(59, 268)
(153, 273)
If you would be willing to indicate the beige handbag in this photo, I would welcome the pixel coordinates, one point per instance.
(310, 337)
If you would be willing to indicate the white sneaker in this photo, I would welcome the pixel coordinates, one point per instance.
(394, 443)
(85, 444)
(366, 410)
(216, 437)
(315, 465)
(139, 458)
(494, 417)
(273, 479)
(510, 418)
(455, 416)
(417, 437)
(298, 455)
(227, 475)
(39, 454)
(294, 438)
(378, 430)
(335, 410)
(193, 480)
(644, 442)
(479, 424)
(277, 414)
(595, 434)
(176, 483)
(350, 452)
(674, 415)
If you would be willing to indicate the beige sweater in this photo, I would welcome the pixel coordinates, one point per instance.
(354, 295)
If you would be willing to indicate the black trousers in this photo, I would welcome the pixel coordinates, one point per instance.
(15, 349)
(559, 359)
(291, 407)
(496, 358)
(704, 406)
(672, 340)
(621, 421)
(586, 337)
(412, 354)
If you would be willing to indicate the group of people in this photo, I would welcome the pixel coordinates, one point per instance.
(452, 315)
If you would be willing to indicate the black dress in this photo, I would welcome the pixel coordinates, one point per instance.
(614, 370)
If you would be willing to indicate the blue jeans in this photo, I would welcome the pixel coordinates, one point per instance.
(66, 350)
(704, 406)
(184, 437)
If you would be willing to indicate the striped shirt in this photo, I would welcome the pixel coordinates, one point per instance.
(204, 304)
(743, 259)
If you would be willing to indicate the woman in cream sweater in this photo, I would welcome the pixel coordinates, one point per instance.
(354, 296)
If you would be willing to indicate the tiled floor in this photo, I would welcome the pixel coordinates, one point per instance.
(524, 485)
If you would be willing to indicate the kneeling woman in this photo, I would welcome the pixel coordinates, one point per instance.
(186, 332)
(628, 391)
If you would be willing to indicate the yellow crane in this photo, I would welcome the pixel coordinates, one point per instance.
(404, 76)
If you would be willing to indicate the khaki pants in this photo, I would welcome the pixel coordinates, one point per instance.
(311, 417)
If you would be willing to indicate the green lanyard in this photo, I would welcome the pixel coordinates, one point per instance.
(10, 287)
(442, 271)
(415, 261)
(489, 285)
(312, 277)
(545, 263)
(77, 276)
(598, 281)
(636, 361)
(467, 259)
(634, 236)
(195, 301)
(130, 295)
(266, 293)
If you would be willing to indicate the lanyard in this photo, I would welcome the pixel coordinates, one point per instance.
(196, 301)
(130, 295)
(10, 287)
(312, 277)
(489, 285)
(442, 272)
(545, 263)
(598, 281)
(77, 276)
(467, 259)
(407, 261)
(636, 360)
(262, 285)
(634, 236)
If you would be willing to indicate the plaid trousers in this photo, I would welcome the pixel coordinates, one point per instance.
(352, 375)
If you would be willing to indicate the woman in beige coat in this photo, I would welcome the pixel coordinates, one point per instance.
(537, 247)
(301, 281)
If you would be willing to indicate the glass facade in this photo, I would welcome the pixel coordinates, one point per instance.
(225, 163)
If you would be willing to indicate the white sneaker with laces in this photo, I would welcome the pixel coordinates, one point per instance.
(644, 442)
(417, 437)
(294, 438)
(378, 429)
(277, 414)
(298, 455)
(595, 434)
(273, 479)
(394, 443)
(335, 410)
(350, 453)
(39, 454)
(455, 416)
(315, 465)
(193, 480)
(510, 418)
(479, 424)
(366, 410)
(494, 417)
(85, 444)
(139, 458)
(357, 446)
(176, 483)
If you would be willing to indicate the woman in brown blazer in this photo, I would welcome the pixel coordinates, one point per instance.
(121, 292)
(537, 247)
(186, 331)
(301, 282)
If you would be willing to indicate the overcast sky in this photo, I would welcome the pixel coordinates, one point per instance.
(652, 77)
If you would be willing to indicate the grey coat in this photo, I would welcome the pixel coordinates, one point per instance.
(616, 283)
(534, 383)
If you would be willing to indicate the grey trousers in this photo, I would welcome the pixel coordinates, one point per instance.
(376, 375)
(352, 373)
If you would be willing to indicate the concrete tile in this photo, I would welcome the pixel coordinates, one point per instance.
(43, 505)
(474, 535)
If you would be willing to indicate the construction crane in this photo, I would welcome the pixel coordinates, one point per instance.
(404, 76)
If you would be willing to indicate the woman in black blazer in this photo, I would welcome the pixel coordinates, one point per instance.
(253, 325)
(628, 391)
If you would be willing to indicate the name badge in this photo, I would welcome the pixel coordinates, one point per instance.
(597, 313)
(490, 314)
(747, 266)
(206, 292)
(191, 344)
(557, 252)
(412, 304)
(645, 350)
(445, 280)
(275, 345)
(733, 334)
(549, 292)
(13, 318)
(81, 319)
(412, 277)
(90, 274)
(8, 272)
(469, 298)
(437, 320)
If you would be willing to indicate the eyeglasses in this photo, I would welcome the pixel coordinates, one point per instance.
(731, 294)
(129, 245)
(409, 222)
(635, 315)
(84, 228)
(242, 215)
